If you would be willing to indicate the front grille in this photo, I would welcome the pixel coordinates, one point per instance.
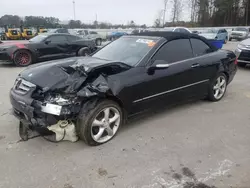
(14, 32)
(29, 32)
(244, 55)
(22, 86)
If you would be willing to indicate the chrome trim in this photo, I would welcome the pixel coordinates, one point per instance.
(169, 91)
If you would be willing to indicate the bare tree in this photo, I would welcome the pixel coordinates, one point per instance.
(176, 10)
(164, 12)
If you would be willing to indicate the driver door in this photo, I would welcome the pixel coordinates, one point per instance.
(54, 46)
(177, 82)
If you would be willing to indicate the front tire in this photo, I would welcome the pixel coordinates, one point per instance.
(218, 87)
(99, 124)
(22, 58)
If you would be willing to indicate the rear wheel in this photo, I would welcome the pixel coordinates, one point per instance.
(98, 42)
(83, 51)
(218, 88)
(22, 58)
(100, 124)
(230, 39)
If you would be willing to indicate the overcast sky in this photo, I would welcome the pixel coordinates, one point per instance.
(113, 11)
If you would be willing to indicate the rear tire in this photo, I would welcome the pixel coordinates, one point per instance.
(230, 39)
(22, 58)
(217, 88)
(83, 51)
(93, 127)
(98, 42)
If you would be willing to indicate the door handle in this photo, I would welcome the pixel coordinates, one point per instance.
(195, 65)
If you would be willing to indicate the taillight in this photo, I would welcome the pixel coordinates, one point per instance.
(236, 61)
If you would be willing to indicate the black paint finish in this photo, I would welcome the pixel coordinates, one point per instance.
(136, 88)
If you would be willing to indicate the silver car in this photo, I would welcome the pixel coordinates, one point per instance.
(243, 52)
(239, 33)
(86, 34)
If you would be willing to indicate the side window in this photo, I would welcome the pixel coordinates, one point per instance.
(183, 30)
(73, 38)
(200, 47)
(93, 32)
(177, 30)
(175, 50)
(57, 39)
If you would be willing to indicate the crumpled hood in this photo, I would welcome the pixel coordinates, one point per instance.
(69, 73)
(208, 35)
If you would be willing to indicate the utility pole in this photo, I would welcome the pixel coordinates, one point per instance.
(74, 9)
(247, 10)
(164, 12)
(96, 23)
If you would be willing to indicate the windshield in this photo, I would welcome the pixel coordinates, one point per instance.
(240, 29)
(38, 38)
(129, 50)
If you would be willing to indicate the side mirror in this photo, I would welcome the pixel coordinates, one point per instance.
(158, 65)
(47, 42)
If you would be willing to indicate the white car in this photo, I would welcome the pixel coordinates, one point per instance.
(177, 29)
(239, 33)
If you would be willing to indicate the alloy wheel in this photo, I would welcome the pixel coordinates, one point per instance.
(105, 124)
(219, 87)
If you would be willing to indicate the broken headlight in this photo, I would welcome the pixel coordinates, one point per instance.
(59, 100)
(59, 105)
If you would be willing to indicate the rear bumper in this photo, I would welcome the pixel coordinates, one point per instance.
(237, 37)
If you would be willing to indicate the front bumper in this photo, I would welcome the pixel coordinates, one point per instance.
(28, 111)
(237, 37)
(243, 55)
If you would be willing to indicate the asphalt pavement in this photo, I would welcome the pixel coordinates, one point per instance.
(198, 143)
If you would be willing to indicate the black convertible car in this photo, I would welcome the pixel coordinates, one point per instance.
(45, 47)
(128, 76)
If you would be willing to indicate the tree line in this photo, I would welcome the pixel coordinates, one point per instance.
(52, 22)
(206, 13)
(202, 13)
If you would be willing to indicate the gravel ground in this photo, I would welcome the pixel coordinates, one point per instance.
(191, 145)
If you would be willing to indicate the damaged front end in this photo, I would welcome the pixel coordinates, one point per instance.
(48, 98)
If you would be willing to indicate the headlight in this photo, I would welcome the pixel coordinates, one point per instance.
(59, 100)
(241, 46)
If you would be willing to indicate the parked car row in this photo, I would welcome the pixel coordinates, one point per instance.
(96, 94)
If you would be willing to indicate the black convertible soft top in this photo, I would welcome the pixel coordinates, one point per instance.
(169, 35)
